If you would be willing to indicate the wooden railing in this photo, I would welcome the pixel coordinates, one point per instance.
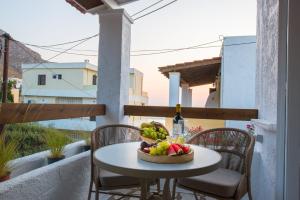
(18, 113)
(198, 113)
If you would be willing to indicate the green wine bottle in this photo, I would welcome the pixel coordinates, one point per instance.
(178, 122)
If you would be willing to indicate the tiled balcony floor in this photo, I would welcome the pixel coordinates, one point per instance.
(181, 195)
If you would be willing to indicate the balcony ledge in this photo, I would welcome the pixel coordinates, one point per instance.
(264, 124)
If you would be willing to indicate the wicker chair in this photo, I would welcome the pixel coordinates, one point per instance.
(232, 180)
(105, 180)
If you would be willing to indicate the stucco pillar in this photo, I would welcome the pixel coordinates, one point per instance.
(174, 84)
(113, 64)
(190, 99)
(186, 95)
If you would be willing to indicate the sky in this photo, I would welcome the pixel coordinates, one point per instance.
(183, 23)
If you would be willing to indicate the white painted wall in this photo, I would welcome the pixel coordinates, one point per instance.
(264, 169)
(238, 70)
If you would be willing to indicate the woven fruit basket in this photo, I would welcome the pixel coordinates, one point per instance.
(165, 159)
(148, 140)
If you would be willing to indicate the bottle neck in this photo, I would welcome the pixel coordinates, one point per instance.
(178, 110)
(178, 113)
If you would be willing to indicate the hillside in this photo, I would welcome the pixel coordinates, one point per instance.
(18, 54)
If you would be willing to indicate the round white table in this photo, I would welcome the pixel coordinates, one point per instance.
(122, 159)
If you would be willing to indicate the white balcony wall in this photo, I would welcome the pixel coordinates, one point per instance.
(264, 169)
(238, 75)
(66, 179)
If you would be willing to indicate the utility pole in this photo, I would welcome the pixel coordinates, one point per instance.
(5, 73)
(5, 68)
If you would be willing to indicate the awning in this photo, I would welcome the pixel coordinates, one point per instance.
(199, 72)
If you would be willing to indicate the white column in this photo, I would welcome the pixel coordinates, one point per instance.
(174, 84)
(113, 64)
(190, 99)
(184, 95)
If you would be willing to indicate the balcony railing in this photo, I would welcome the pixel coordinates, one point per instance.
(19, 113)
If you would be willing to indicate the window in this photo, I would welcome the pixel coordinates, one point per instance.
(92, 118)
(59, 76)
(54, 76)
(68, 100)
(41, 79)
(94, 79)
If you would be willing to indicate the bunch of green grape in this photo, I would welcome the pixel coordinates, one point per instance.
(162, 133)
(150, 131)
(160, 149)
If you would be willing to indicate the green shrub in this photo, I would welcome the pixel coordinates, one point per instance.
(8, 150)
(31, 137)
(56, 142)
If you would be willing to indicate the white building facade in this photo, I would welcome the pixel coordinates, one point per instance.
(237, 77)
(72, 83)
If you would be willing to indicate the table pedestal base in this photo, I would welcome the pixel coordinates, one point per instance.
(145, 187)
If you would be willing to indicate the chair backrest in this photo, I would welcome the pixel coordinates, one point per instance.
(235, 145)
(114, 134)
(110, 134)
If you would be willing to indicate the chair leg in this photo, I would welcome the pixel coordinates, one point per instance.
(195, 195)
(96, 191)
(158, 185)
(249, 195)
(90, 189)
(174, 188)
(249, 190)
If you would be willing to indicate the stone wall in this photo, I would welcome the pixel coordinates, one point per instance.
(28, 163)
(63, 180)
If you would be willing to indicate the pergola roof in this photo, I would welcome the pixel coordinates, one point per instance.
(85, 5)
(199, 72)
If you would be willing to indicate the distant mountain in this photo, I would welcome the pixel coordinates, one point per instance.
(18, 54)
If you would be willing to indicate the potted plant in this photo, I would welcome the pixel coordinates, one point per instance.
(8, 151)
(56, 142)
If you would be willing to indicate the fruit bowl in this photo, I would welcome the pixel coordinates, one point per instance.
(165, 159)
(165, 152)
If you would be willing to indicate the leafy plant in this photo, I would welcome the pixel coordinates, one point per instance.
(251, 129)
(10, 97)
(31, 137)
(56, 143)
(8, 151)
(195, 130)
